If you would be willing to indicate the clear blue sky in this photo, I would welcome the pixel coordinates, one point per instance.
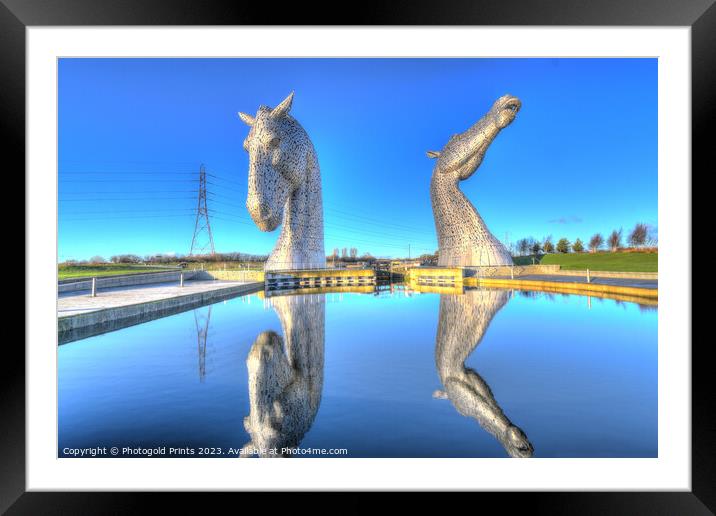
(580, 157)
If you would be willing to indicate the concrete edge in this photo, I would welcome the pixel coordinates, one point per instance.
(582, 288)
(88, 324)
(608, 274)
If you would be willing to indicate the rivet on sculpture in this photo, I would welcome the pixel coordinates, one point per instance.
(463, 237)
(285, 187)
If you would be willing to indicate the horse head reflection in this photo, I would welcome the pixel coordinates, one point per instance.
(286, 376)
(462, 323)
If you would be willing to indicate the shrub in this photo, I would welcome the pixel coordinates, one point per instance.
(563, 245)
(536, 247)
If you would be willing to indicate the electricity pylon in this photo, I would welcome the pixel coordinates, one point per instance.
(200, 244)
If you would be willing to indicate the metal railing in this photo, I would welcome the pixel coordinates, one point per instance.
(515, 271)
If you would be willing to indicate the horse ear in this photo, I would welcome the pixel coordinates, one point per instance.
(432, 154)
(283, 108)
(247, 119)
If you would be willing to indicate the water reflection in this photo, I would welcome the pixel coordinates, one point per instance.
(286, 376)
(586, 386)
(202, 318)
(462, 323)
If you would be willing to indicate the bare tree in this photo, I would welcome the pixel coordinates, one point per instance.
(95, 260)
(596, 242)
(344, 252)
(637, 237)
(615, 240)
(354, 252)
(523, 246)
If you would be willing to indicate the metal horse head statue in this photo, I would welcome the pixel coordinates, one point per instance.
(462, 323)
(285, 187)
(463, 237)
(286, 376)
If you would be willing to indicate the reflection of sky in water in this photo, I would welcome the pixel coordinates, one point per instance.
(579, 381)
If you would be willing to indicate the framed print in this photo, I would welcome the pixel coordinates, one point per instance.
(248, 241)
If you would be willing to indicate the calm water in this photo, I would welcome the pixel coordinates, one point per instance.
(489, 373)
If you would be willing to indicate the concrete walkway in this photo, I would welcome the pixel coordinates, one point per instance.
(618, 282)
(80, 316)
(73, 303)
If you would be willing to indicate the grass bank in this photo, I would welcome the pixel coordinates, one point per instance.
(606, 261)
(109, 269)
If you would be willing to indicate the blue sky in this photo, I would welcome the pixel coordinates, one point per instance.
(580, 157)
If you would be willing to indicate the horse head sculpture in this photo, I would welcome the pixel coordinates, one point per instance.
(286, 376)
(284, 187)
(463, 237)
(462, 323)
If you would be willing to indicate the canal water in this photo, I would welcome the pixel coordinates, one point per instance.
(394, 373)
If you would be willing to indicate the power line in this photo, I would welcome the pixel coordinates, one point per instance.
(123, 172)
(340, 227)
(220, 178)
(361, 219)
(88, 195)
(349, 222)
(226, 187)
(109, 212)
(85, 219)
(124, 199)
(329, 235)
(133, 162)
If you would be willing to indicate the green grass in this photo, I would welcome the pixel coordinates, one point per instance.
(81, 271)
(526, 260)
(615, 262)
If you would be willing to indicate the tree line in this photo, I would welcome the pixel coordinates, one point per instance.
(640, 237)
(167, 259)
(345, 255)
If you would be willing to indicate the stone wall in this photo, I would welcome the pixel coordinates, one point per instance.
(232, 275)
(508, 270)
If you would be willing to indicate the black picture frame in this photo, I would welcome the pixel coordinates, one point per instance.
(700, 15)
